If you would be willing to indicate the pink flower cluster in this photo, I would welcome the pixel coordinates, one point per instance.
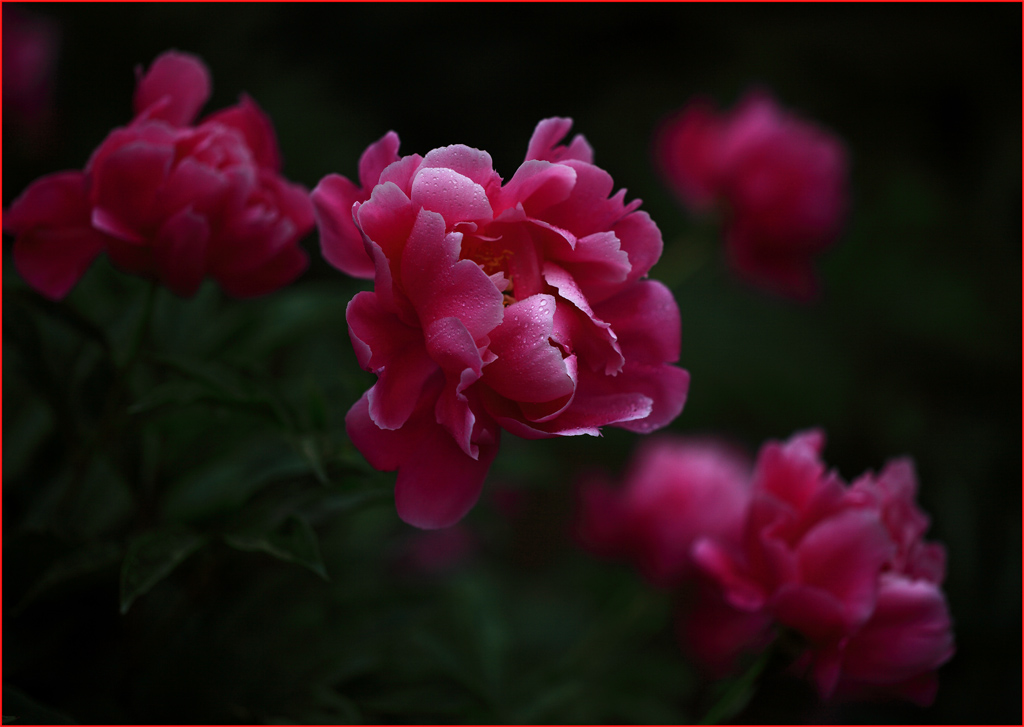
(169, 199)
(781, 180)
(520, 306)
(787, 547)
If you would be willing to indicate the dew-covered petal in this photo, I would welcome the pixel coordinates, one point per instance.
(528, 367)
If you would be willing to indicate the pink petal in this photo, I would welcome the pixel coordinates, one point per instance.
(437, 482)
(455, 196)
(720, 563)
(641, 240)
(387, 219)
(54, 200)
(536, 185)
(641, 398)
(124, 189)
(544, 143)
(597, 263)
(180, 252)
(844, 555)
(173, 89)
(400, 173)
(818, 615)
(395, 352)
(275, 219)
(465, 161)
(257, 129)
(442, 286)
(528, 367)
(588, 208)
(190, 184)
(578, 330)
(377, 157)
(645, 317)
(792, 471)
(52, 261)
(340, 240)
(591, 410)
(452, 347)
(55, 243)
(910, 633)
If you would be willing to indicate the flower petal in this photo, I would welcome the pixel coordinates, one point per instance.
(645, 317)
(455, 196)
(442, 286)
(340, 240)
(395, 352)
(528, 367)
(174, 88)
(124, 188)
(180, 252)
(437, 482)
(257, 129)
(55, 244)
(375, 159)
(544, 143)
(909, 632)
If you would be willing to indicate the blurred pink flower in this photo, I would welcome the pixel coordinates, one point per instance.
(810, 553)
(169, 200)
(676, 491)
(846, 568)
(910, 634)
(520, 306)
(783, 545)
(781, 180)
(30, 48)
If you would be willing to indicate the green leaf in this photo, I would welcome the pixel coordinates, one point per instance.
(224, 485)
(152, 557)
(75, 565)
(293, 541)
(218, 384)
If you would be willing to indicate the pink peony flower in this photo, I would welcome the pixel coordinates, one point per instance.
(844, 567)
(520, 306)
(909, 635)
(676, 491)
(170, 200)
(782, 181)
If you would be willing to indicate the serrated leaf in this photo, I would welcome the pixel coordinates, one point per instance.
(293, 541)
(152, 557)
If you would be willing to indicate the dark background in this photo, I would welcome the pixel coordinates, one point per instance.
(912, 349)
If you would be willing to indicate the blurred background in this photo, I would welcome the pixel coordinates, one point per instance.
(262, 571)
